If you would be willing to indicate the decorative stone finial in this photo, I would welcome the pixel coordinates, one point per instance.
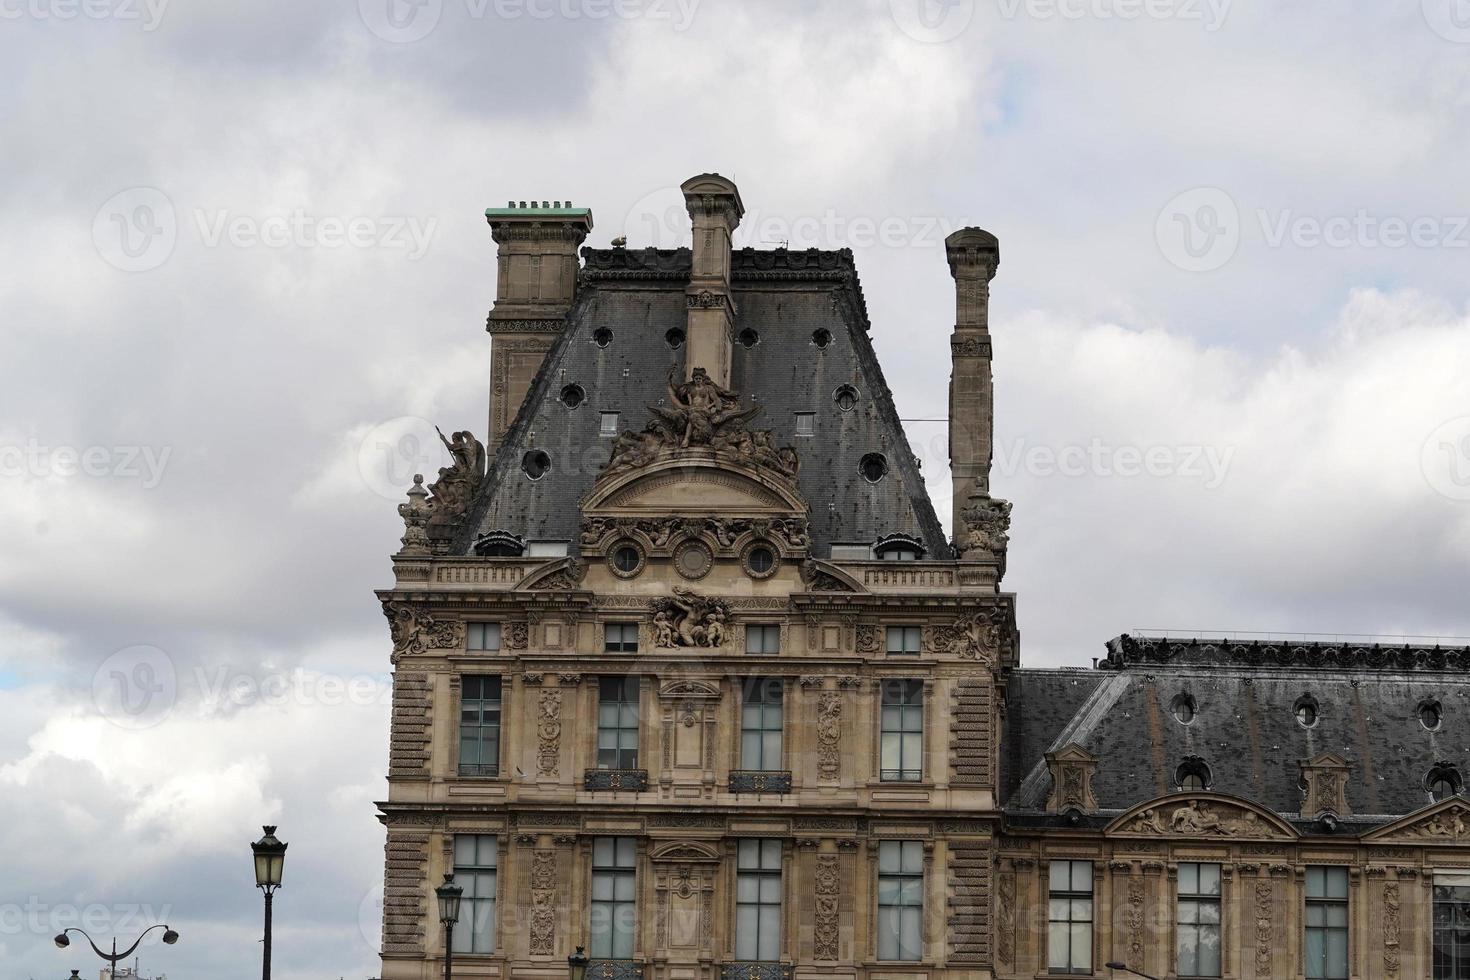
(984, 525)
(415, 514)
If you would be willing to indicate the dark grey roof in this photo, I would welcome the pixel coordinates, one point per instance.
(1245, 727)
(785, 297)
(1039, 704)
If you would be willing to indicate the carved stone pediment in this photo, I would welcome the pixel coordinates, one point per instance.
(819, 576)
(1072, 768)
(1202, 815)
(1446, 822)
(562, 574)
(687, 690)
(695, 482)
(686, 852)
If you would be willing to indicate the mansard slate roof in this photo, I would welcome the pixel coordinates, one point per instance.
(1245, 728)
(785, 296)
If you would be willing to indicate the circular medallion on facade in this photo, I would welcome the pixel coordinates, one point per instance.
(694, 560)
(760, 560)
(626, 559)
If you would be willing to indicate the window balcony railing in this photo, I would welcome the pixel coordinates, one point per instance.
(616, 781)
(756, 971)
(760, 781)
(614, 970)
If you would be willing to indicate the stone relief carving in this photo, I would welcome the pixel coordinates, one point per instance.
(1072, 768)
(1005, 940)
(1198, 818)
(548, 733)
(792, 532)
(987, 523)
(1448, 824)
(868, 639)
(700, 413)
(517, 635)
(825, 935)
(690, 620)
(829, 735)
(569, 576)
(1391, 926)
(543, 903)
(1134, 918)
(1264, 917)
(415, 631)
(979, 635)
(816, 580)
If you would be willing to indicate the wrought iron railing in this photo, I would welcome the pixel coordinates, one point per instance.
(755, 971)
(759, 781)
(616, 780)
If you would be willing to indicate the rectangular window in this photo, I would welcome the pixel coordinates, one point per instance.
(614, 905)
(806, 424)
(1198, 924)
(761, 722)
(902, 731)
(479, 726)
(758, 901)
(905, 640)
(617, 723)
(1069, 925)
(762, 639)
(474, 870)
(482, 636)
(620, 638)
(1327, 923)
(609, 424)
(900, 900)
(1452, 927)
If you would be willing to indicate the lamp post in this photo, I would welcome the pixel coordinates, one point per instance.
(62, 942)
(577, 965)
(449, 895)
(1128, 969)
(270, 861)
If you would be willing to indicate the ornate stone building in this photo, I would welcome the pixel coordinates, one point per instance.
(687, 673)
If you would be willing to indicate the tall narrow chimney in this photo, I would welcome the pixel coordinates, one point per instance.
(974, 255)
(715, 208)
(536, 281)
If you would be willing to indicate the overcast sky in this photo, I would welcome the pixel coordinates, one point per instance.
(245, 264)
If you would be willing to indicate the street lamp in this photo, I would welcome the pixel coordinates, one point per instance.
(1128, 969)
(62, 942)
(449, 895)
(270, 861)
(577, 965)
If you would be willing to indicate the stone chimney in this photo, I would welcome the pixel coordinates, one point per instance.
(715, 208)
(974, 255)
(536, 282)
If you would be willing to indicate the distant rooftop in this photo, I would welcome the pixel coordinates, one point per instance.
(1350, 653)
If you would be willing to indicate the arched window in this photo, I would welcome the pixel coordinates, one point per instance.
(1184, 708)
(1306, 711)
(1442, 782)
(1192, 775)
